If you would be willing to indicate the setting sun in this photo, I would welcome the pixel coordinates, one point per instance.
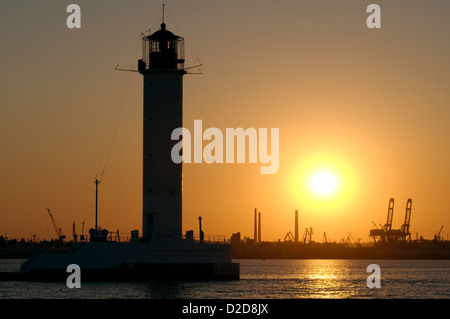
(323, 183)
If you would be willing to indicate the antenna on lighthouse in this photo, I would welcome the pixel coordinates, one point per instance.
(163, 13)
(96, 202)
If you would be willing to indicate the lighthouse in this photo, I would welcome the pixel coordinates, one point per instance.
(161, 252)
(162, 67)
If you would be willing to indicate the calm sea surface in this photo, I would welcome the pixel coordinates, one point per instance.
(273, 279)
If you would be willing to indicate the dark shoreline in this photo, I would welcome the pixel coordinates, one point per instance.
(25, 253)
(415, 250)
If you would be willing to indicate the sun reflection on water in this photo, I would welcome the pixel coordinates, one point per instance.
(325, 279)
(314, 278)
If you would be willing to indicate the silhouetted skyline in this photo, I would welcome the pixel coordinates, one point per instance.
(368, 106)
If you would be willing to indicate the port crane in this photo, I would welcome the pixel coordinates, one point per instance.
(307, 234)
(404, 229)
(289, 237)
(386, 233)
(350, 238)
(388, 226)
(55, 226)
(376, 227)
(438, 236)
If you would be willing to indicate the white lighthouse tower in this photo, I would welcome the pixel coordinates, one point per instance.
(162, 66)
(161, 252)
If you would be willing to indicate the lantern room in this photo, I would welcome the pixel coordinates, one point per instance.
(162, 50)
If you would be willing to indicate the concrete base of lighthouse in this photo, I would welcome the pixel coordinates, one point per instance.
(135, 261)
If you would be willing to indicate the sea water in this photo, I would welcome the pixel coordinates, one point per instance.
(260, 279)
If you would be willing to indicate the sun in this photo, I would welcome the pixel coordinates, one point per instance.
(323, 183)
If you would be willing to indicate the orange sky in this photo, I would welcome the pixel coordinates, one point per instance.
(370, 106)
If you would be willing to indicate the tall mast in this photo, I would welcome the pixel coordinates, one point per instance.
(96, 202)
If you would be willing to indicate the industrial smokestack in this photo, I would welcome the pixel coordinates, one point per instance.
(200, 229)
(255, 234)
(259, 227)
(296, 227)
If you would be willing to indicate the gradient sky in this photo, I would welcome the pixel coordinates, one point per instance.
(369, 106)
